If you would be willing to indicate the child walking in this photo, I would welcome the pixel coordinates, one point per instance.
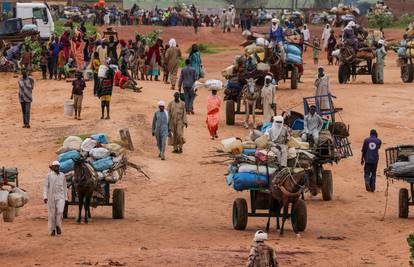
(78, 86)
(44, 63)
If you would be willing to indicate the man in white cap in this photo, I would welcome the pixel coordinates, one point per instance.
(54, 195)
(160, 128)
(278, 138)
(261, 254)
(380, 54)
(268, 99)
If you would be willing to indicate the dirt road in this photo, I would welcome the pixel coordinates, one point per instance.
(182, 216)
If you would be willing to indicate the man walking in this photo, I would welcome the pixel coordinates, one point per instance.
(54, 195)
(370, 158)
(322, 90)
(177, 122)
(380, 54)
(261, 254)
(26, 85)
(187, 80)
(268, 99)
(160, 128)
(172, 57)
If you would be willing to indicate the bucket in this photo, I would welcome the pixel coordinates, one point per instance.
(68, 108)
(102, 71)
(227, 143)
(88, 75)
(9, 214)
(232, 145)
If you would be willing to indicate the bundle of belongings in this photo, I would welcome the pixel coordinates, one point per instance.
(265, 153)
(11, 198)
(101, 156)
(380, 9)
(344, 10)
(404, 165)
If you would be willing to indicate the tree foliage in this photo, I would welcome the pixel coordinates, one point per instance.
(380, 20)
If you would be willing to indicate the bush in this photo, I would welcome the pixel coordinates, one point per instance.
(151, 37)
(403, 21)
(59, 29)
(410, 241)
(381, 20)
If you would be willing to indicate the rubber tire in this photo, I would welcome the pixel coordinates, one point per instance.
(407, 73)
(66, 210)
(403, 203)
(240, 214)
(374, 73)
(294, 79)
(118, 204)
(230, 114)
(327, 185)
(299, 216)
(342, 74)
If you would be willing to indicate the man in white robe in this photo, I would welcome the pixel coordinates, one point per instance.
(278, 138)
(54, 195)
(268, 99)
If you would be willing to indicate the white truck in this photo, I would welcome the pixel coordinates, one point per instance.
(41, 14)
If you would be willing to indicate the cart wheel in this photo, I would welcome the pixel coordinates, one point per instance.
(230, 116)
(295, 78)
(239, 214)
(374, 73)
(407, 73)
(118, 204)
(327, 185)
(343, 74)
(65, 210)
(299, 216)
(403, 203)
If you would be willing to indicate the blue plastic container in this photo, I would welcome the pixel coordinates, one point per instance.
(101, 138)
(246, 180)
(67, 166)
(73, 154)
(298, 124)
(291, 58)
(292, 49)
(103, 164)
(249, 151)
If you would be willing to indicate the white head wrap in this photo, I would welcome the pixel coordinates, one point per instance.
(260, 236)
(276, 128)
(55, 163)
(350, 25)
(275, 20)
(172, 43)
(381, 42)
(161, 103)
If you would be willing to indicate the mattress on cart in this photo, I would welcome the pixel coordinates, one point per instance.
(402, 169)
(247, 180)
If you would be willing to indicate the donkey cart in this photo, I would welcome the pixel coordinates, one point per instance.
(102, 193)
(407, 70)
(406, 196)
(261, 199)
(353, 65)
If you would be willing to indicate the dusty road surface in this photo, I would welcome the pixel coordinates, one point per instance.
(182, 216)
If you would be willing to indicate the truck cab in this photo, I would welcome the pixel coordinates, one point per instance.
(40, 13)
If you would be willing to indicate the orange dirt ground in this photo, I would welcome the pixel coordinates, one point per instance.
(182, 216)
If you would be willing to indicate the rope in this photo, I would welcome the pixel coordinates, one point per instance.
(386, 200)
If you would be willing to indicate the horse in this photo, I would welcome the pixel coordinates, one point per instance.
(286, 188)
(85, 184)
(250, 95)
(276, 65)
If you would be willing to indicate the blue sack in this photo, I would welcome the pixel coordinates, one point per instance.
(401, 52)
(101, 138)
(67, 166)
(246, 180)
(73, 155)
(292, 49)
(103, 164)
(266, 126)
(298, 124)
(249, 151)
(291, 58)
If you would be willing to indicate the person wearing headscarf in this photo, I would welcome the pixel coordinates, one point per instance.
(331, 47)
(229, 18)
(306, 36)
(195, 60)
(154, 59)
(261, 254)
(223, 21)
(102, 52)
(348, 37)
(325, 36)
(213, 113)
(172, 58)
(276, 34)
(278, 138)
(105, 92)
(322, 89)
(268, 99)
(177, 121)
(78, 45)
(380, 54)
(313, 125)
(65, 42)
(55, 193)
(160, 128)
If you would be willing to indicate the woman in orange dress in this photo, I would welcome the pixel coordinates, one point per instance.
(213, 113)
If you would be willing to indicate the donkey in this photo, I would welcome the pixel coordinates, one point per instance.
(285, 188)
(85, 184)
(251, 94)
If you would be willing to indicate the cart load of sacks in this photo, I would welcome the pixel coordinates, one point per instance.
(404, 167)
(255, 161)
(11, 199)
(96, 149)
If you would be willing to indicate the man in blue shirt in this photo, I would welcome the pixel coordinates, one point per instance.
(370, 157)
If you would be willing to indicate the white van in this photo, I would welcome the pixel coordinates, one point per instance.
(40, 13)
